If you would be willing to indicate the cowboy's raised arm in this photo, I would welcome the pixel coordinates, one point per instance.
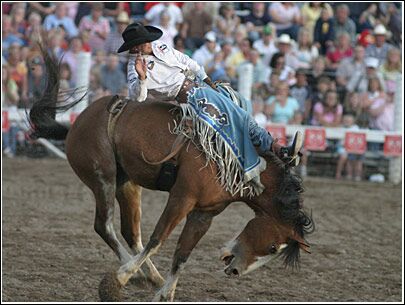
(137, 88)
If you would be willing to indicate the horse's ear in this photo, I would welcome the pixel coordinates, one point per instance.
(303, 244)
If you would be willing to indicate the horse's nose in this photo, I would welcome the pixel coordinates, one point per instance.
(232, 271)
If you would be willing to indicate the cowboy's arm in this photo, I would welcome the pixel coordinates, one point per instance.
(137, 88)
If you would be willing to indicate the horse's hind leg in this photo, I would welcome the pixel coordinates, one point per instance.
(129, 198)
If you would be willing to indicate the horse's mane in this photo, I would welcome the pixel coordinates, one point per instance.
(288, 203)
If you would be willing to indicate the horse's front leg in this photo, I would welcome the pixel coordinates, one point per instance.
(178, 206)
(195, 228)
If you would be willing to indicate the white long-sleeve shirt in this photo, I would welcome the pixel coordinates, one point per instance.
(164, 75)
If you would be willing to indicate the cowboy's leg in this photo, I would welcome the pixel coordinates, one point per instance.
(195, 228)
(178, 206)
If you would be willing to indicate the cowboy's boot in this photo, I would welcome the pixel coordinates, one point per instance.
(289, 154)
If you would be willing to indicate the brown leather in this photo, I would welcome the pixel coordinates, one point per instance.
(182, 95)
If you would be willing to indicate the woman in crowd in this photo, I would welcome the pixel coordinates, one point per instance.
(329, 112)
(305, 52)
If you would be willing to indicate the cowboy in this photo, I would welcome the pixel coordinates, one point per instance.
(160, 72)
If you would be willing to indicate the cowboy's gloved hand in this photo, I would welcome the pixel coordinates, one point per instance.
(208, 81)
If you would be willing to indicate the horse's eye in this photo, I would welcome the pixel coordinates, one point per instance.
(273, 249)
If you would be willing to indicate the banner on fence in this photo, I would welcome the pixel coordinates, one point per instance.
(315, 139)
(5, 122)
(393, 145)
(278, 131)
(355, 143)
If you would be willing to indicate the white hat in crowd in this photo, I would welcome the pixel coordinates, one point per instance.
(380, 30)
(284, 38)
(371, 62)
(210, 36)
(123, 18)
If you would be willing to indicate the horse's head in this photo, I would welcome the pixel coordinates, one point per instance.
(278, 227)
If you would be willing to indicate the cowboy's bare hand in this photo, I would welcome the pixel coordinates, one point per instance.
(140, 66)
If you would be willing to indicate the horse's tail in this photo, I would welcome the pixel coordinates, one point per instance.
(42, 114)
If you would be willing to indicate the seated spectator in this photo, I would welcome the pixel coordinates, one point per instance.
(311, 12)
(393, 20)
(266, 45)
(278, 64)
(260, 71)
(32, 33)
(285, 46)
(391, 69)
(281, 107)
(97, 27)
(380, 47)
(10, 99)
(152, 16)
(318, 70)
(8, 37)
(71, 57)
(95, 89)
(343, 23)
(302, 93)
(341, 50)
(65, 79)
(368, 17)
(55, 43)
(305, 52)
(42, 8)
(196, 24)
(60, 18)
(324, 32)
(381, 108)
(114, 39)
(18, 22)
(359, 80)
(169, 32)
(227, 22)
(267, 89)
(258, 114)
(358, 107)
(112, 78)
(36, 79)
(180, 45)
(216, 68)
(256, 20)
(206, 52)
(286, 17)
(238, 56)
(328, 113)
(348, 66)
(18, 71)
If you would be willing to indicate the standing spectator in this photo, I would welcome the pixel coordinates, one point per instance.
(391, 69)
(324, 32)
(97, 26)
(60, 18)
(70, 57)
(257, 20)
(357, 106)
(196, 24)
(359, 80)
(266, 45)
(42, 8)
(341, 50)
(10, 98)
(176, 16)
(112, 77)
(329, 112)
(393, 20)
(206, 52)
(8, 38)
(227, 21)
(281, 108)
(305, 52)
(302, 92)
(343, 23)
(286, 17)
(381, 108)
(114, 39)
(169, 32)
(380, 47)
(311, 12)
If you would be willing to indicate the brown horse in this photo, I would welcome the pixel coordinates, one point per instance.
(114, 168)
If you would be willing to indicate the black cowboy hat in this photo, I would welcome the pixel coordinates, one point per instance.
(136, 33)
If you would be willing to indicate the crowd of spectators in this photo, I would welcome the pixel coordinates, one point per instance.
(316, 63)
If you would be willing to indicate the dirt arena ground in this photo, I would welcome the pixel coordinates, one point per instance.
(51, 252)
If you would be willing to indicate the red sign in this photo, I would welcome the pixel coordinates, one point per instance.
(355, 143)
(277, 131)
(393, 146)
(5, 123)
(73, 117)
(315, 139)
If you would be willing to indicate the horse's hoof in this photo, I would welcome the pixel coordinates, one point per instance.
(109, 289)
